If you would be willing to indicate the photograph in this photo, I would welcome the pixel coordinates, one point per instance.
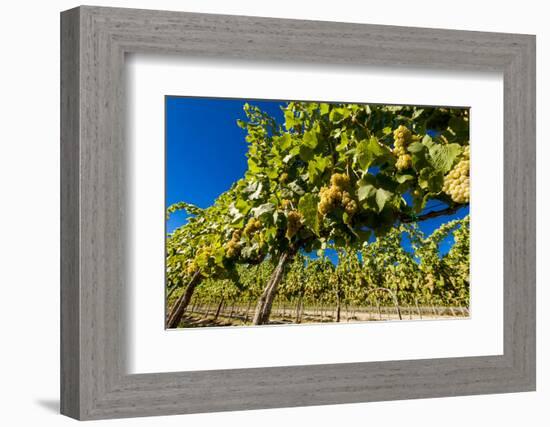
(283, 212)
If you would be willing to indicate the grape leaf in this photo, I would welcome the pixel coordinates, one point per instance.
(307, 206)
(443, 156)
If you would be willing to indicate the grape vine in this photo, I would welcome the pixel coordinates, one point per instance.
(354, 178)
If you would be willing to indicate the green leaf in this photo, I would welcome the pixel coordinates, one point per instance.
(415, 147)
(375, 148)
(307, 206)
(403, 178)
(346, 218)
(324, 108)
(253, 167)
(344, 142)
(435, 182)
(444, 156)
(284, 141)
(427, 141)
(266, 208)
(257, 194)
(310, 139)
(382, 196)
(296, 188)
(290, 120)
(306, 153)
(317, 166)
(370, 151)
(336, 133)
(365, 191)
(417, 113)
(423, 177)
(339, 114)
(243, 206)
(272, 173)
(362, 155)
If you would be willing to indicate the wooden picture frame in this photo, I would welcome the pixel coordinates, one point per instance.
(94, 382)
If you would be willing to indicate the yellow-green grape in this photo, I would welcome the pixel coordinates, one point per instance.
(399, 151)
(403, 162)
(283, 178)
(430, 281)
(233, 247)
(402, 132)
(416, 192)
(339, 180)
(327, 197)
(401, 139)
(191, 268)
(351, 207)
(294, 223)
(336, 194)
(325, 205)
(346, 198)
(330, 198)
(252, 226)
(457, 182)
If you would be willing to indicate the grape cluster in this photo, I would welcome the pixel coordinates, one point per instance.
(293, 224)
(191, 268)
(430, 282)
(204, 251)
(233, 247)
(350, 205)
(402, 138)
(252, 226)
(339, 180)
(457, 182)
(337, 195)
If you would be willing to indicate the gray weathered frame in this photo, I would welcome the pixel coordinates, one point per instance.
(94, 41)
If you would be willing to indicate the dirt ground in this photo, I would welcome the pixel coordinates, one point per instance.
(279, 316)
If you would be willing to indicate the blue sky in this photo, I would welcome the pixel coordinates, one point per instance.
(205, 153)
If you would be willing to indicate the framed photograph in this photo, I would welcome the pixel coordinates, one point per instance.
(261, 213)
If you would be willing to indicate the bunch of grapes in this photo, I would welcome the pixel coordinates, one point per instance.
(350, 205)
(294, 223)
(430, 282)
(457, 182)
(339, 180)
(204, 251)
(192, 267)
(252, 226)
(233, 247)
(337, 195)
(330, 197)
(402, 138)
